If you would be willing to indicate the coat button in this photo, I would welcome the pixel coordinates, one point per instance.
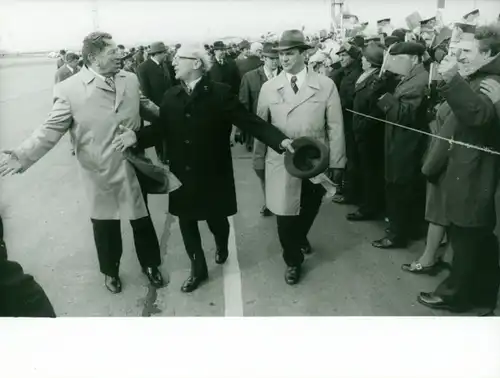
(188, 168)
(187, 141)
(188, 115)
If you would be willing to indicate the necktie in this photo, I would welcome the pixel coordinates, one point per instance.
(294, 84)
(110, 82)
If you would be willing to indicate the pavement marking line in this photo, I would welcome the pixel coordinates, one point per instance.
(233, 299)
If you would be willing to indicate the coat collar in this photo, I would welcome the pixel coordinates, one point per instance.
(417, 70)
(309, 88)
(367, 80)
(203, 86)
(120, 83)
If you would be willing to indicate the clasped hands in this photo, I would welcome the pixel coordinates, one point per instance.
(126, 138)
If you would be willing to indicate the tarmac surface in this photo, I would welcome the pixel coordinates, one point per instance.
(48, 231)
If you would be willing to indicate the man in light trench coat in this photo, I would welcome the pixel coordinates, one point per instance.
(300, 103)
(95, 105)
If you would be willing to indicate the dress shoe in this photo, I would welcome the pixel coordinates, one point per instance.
(192, 282)
(221, 255)
(265, 212)
(113, 284)
(438, 303)
(431, 270)
(359, 216)
(306, 249)
(389, 243)
(292, 275)
(154, 276)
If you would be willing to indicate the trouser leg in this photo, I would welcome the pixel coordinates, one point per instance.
(192, 242)
(146, 242)
(108, 242)
(219, 227)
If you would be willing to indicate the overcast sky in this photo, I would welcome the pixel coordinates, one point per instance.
(51, 25)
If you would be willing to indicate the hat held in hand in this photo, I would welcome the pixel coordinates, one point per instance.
(310, 158)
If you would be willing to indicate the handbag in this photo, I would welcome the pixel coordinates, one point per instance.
(154, 179)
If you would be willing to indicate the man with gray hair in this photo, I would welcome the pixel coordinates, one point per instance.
(196, 119)
(94, 106)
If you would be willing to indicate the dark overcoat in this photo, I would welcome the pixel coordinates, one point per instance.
(404, 149)
(471, 176)
(226, 73)
(197, 129)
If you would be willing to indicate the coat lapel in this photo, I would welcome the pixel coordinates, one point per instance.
(120, 84)
(88, 77)
(308, 89)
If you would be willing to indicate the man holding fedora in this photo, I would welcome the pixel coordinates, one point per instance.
(251, 83)
(301, 103)
(224, 69)
(155, 79)
(195, 121)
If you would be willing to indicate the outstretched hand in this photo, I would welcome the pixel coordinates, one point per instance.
(9, 164)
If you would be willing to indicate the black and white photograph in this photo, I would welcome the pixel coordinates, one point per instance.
(297, 163)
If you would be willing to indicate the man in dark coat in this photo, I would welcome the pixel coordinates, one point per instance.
(350, 59)
(155, 79)
(196, 119)
(68, 69)
(252, 60)
(224, 69)
(20, 294)
(471, 177)
(251, 83)
(404, 148)
(369, 134)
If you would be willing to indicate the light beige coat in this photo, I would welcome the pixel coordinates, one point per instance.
(314, 111)
(91, 111)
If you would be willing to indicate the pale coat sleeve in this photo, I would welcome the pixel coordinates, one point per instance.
(259, 148)
(49, 133)
(335, 130)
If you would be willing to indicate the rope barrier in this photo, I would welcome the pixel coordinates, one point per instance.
(451, 141)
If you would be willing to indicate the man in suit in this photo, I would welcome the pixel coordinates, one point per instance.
(94, 106)
(61, 60)
(300, 103)
(252, 61)
(196, 118)
(251, 83)
(155, 79)
(224, 69)
(68, 69)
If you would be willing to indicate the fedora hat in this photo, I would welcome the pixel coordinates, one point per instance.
(157, 47)
(219, 45)
(310, 158)
(269, 50)
(292, 39)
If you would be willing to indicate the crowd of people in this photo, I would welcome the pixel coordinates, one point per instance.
(410, 118)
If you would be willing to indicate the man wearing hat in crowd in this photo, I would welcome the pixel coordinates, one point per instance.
(405, 187)
(196, 120)
(155, 80)
(252, 60)
(244, 48)
(224, 69)
(369, 133)
(350, 60)
(251, 83)
(397, 35)
(300, 103)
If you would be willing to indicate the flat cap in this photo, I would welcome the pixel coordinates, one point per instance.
(407, 48)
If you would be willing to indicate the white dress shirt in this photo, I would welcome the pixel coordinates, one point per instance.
(69, 68)
(98, 75)
(301, 78)
(192, 84)
(154, 60)
(270, 74)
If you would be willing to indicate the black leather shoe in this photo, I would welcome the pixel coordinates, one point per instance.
(389, 243)
(292, 275)
(113, 284)
(306, 249)
(192, 282)
(438, 303)
(221, 255)
(359, 216)
(154, 276)
(265, 212)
